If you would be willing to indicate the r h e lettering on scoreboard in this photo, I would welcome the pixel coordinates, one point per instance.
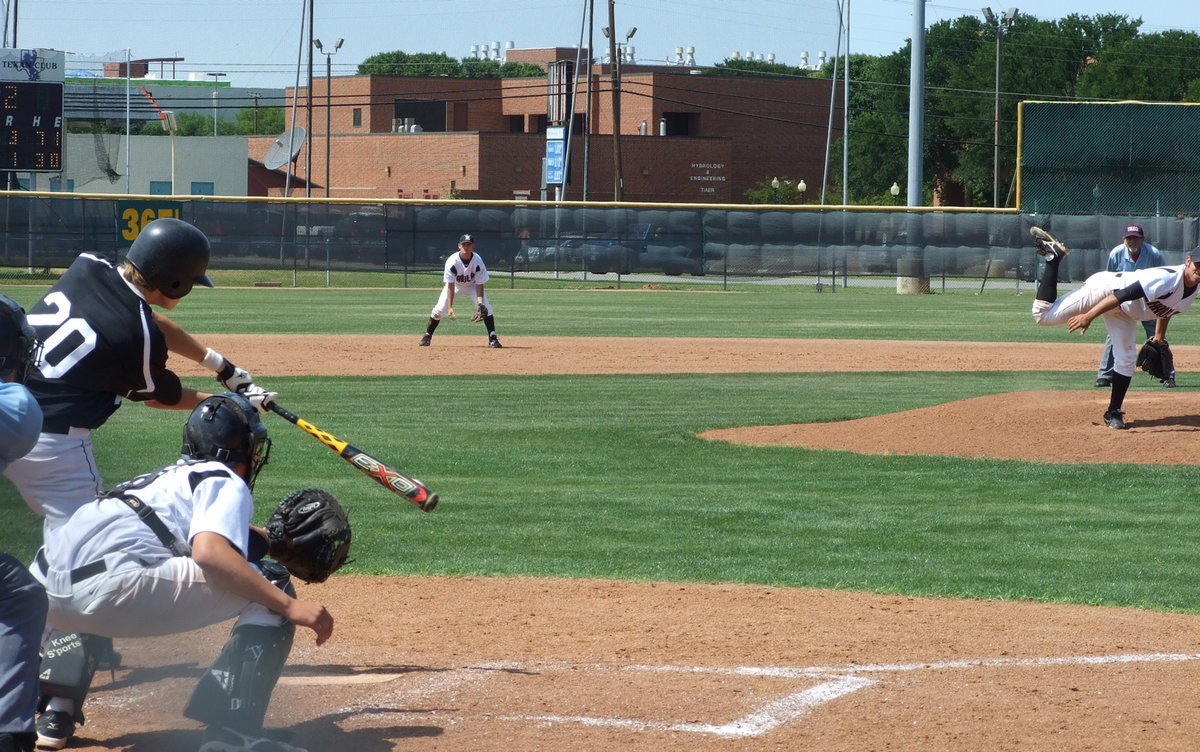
(31, 110)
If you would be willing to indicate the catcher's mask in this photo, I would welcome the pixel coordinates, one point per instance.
(226, 428)
(172, 255)
(19, 345)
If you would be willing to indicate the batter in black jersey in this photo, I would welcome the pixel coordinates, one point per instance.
(104, 344)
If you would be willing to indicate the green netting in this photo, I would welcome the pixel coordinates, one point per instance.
(1117, 157)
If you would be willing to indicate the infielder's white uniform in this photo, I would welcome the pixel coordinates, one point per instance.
(145, 588)
(464, 276)
(1165, 296)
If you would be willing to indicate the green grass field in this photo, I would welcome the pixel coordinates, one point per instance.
(603, 476)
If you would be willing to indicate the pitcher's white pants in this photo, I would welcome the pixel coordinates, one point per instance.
(1122, 328)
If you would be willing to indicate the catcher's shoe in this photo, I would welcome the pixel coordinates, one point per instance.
(1047, 246)
(425, 341)
(494, 342)
(1115, 419)
(54, 729)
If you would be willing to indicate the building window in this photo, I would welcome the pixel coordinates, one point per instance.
(160, 187)
(430, 115)
(56, 185)
(356, 115)
(682, 123)
(202, 188)
(516, 123)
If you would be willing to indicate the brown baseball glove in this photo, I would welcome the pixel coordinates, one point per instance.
(480, 313)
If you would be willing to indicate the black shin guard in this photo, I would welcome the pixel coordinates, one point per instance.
(68, 665)
(433, 323)
(236, 690)
(1120, 385)
(489, 321)
(1048, 287)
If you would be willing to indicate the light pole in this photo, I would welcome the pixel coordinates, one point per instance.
(895, 191)
(328, 103)
(171, 125)
(774, 190)
(215, 76)
(802, 187)
(1002, 24)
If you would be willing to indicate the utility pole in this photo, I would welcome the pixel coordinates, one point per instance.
(615, 71)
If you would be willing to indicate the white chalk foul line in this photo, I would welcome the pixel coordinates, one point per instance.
(759, 722)
(836, 681)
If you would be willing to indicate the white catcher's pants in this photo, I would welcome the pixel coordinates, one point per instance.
(1122, 328)
(131, 600)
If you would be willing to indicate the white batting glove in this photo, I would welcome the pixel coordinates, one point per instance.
(231, 377)
(260, 398)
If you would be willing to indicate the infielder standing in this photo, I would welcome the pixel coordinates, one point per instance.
(1133, 253)
(1123, 299)
(22, 598)
(465, 274)
(169, 552)
(104, 344)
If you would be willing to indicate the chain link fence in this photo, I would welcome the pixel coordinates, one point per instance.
(872, 245)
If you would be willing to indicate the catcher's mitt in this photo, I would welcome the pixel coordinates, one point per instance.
(480, 313)
(1156, 359)
(309, 533)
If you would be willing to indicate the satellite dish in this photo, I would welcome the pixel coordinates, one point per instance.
(286, 147)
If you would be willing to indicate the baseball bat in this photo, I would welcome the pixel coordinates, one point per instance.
(411, 489)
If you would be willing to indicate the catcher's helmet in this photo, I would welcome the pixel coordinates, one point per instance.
(226, 428)
(19, 345)
(172, 255)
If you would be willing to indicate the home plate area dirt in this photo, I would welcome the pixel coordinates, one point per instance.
(487, 664)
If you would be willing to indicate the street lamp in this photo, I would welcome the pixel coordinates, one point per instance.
(802, 187)
(1002, 24)
(895, 191)
(774, 190)
(215, 76)
(328, 104)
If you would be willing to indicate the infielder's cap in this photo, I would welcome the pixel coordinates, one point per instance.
(467, 238)
(1134, 231)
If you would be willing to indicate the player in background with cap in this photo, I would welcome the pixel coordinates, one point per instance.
(465, 274)
(1133, 253)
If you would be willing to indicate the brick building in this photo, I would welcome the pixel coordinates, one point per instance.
(684, 137)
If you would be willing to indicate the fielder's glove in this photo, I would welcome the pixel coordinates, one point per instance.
(480, 313)
(1156, 359)
(309, 533)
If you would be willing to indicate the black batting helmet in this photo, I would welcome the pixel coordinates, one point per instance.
(226, 428)
(172, 255)
(19, 346)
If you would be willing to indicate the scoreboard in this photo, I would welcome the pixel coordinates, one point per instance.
(31, 126)
(31, 110)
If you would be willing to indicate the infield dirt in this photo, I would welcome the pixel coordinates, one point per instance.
(486, 664)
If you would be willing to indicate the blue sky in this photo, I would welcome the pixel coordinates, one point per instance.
(258, 42)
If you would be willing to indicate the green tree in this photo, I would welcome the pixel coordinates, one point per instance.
(426, 64)
(766, 192)
(261, 120)
(1154, 67)
(731, 67)
(437, 64)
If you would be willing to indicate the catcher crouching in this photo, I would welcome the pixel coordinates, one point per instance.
(172, 551)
